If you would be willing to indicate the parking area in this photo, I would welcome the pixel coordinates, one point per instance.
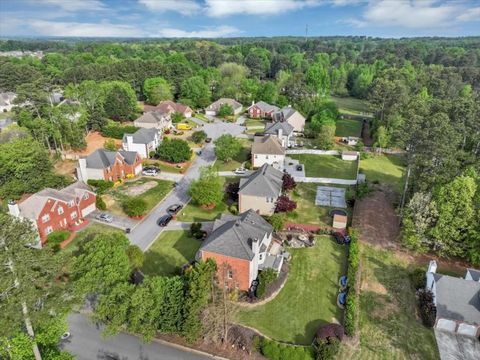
(121, 222)
(294, 168)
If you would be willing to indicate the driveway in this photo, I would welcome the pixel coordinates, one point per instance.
(220, 128)
(453, 346)
(121, 222)
(87, 343)
(147, 231)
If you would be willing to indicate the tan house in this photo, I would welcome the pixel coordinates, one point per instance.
(291, 116)
(154, 120)
(260, 190)
(213, 108)
(169, 107)
(267, 150)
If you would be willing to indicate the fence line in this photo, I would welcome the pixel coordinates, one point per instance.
(314, 152)
(324, 180)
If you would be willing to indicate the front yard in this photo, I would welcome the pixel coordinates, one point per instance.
(388, 326)
(327, 166)
(238, 160)
(169, 253)
(308, 299)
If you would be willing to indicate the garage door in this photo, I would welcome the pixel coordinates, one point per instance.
(88, 210)
(138, 169)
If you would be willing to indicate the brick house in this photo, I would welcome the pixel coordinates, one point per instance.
(240, 246)
(261, 109)
(52, 209)
(109, 165)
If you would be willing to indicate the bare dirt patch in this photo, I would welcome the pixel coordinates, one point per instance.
(139, 189)
(375, 287)
(65, 167)
(94, 142)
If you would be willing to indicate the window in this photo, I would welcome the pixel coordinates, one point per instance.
(86, 196)
(230, 274)
(260, 257)
(48, 230)
(60, 210)
(266, 157)
(73, 215)
(45, 218)
(70, 203)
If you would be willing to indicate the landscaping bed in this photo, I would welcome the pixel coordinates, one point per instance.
(170, 251)
(308, 298)
(327, 166)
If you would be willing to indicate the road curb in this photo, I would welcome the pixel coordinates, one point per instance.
(188, 349)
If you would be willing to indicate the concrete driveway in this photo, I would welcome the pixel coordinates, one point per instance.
(220, 128)
(452, 346)
(121, 222)
(145, 233)
(87, 343)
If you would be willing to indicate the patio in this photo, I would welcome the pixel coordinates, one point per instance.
(330, 196)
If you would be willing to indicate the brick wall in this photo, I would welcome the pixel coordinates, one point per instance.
(239, 270)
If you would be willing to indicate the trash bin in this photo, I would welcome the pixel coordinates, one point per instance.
(127, 230)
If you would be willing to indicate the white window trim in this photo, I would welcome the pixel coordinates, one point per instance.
(60, 210)
(45, 218)
(73, 215)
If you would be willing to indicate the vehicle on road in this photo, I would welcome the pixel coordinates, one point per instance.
(105, 217)
(65, 335)
(175, 208)
(164, 220)
(240, 171)
(150, 172)
(181, 126)
(208, 140)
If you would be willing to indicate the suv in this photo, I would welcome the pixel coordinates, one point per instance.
(240, 171)
(164, 220)
(105, 217)
(150, 171)
(175, 208)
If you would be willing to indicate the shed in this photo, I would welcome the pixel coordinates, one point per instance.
(349, 155)
(339, 221)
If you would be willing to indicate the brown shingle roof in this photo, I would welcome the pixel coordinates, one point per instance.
(267, 145)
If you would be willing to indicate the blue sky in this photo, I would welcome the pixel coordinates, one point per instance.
(228, 18)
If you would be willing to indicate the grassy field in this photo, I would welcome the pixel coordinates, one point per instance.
(308, 299)
(327, 166)
(169, 253)
(238, 160)
(350, 105)
(254, 123)
(307, 212)
(348, 127)
(388, 326)
(386, 169)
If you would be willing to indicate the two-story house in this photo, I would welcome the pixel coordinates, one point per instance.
(261, 109)
(291, 116)
(109, 165)
(169, 107)
(213, 108)
(154, 120)
(260, 191)
(267, 150)
(143, 141)
(240, 247)
(283, 131)
(51, 209)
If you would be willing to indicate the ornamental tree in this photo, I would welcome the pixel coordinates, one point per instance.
(284, 204)
(288, 182)
(174, 150)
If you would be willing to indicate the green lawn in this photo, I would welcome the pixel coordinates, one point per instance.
(169, 253)
(165, 167)
(350, 105)
(387, 169)
(238, 160)
(254, 123)
(327, 166)
(348, 127)
(192, 212)
(308, 299)
(307, 212)
(388, 326)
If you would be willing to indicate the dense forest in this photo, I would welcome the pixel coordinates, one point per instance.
(424, 93)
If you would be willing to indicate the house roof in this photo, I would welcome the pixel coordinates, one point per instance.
(151, 117)
(232, 235)
(216, 104)
(267, 145)
(101, 158)
(142, 136)
(284, 114)
(272, 128)
(265, 107)
(265, 182)
(475, 274)
(167, 107)
(457, 299)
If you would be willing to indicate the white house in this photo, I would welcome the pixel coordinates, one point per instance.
(267, 150)
(142, 141)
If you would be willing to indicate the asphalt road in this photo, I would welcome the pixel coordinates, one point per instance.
(86, 343)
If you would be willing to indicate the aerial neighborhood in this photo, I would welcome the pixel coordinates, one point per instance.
(248, 198)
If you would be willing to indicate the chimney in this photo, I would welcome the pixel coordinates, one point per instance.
(253, 102)
(13, 208)
(280, 133)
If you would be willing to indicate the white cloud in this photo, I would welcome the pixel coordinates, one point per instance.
(219, 31)
(219, 8)
(74, 5)
(346, 2)
(184, 7)
(472, 14)
(102, 29)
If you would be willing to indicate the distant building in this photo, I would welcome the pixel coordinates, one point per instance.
(213, 108)
(261, 109)
(52, 209)
(267, 150)
(109, 165)
(142, 141)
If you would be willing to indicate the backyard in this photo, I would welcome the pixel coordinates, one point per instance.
(351, 106)
(327, 166)
(386, 169)
(388, 326)
(238, 160)
(308, 299)
(169, 253)
(348, 127)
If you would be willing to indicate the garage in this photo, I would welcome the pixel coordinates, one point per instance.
(89, 209)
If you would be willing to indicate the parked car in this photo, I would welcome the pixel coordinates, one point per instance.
(164, 220)
(105, 217)
(299, 168)
(150, 172)
(208, 140)
(199, 152)
(339, 238)
(175, 208)
(240, 171)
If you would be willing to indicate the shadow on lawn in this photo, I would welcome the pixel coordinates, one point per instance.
(310, 329)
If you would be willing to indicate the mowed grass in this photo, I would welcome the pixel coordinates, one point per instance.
(192, 212)
(348, 127)
(237, 160)
(254, 123)
(308, 299)
(386, 169)
(351, 105)
(307, 212)
(170, 251)
(327, 166)
(388, 326)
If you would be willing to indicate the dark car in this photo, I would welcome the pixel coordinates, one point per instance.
(299, 168)
(208, 140)
(339, 238)
(175, 208)
(164, 220)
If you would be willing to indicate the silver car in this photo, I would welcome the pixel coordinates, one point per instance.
(105, 217)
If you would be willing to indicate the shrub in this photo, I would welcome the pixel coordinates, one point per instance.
(233, 209)
(428, 311)
(277, 221)
(174, 151)
(100, 185)
(276, 351)
(284, 204)
(177, 117)
(57, 237)
(116, 131)
(134, 206)
(199, 137)
(351, 305)
(327, 349)
(288, 182)
(418, 278)
(265, 278)
(152, 154)
(196, 230)
(232, 190)
(99, 203)
(109, 144)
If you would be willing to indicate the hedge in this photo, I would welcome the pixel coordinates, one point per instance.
(276, 351)
(116, 131)
(265, 278)
(352, 298)
(100, 204)
(100, 185)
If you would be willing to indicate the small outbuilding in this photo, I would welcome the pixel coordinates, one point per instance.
(339, 221)
(349, 155)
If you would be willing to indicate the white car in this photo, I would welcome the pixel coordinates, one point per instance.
(105, 217)
(150, 172)
(240, 171)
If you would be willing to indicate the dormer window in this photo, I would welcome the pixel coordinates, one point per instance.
(86, 196)
(71, 203)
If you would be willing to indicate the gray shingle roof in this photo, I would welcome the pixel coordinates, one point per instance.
(232, 235)
(265, 107)
(284, 113)
(267, 145)
(265, 182)
(272, 128)
(216, 104)
(142, 136)
(475, 274)
(152, 117)
(457, 299)
(101, 159)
